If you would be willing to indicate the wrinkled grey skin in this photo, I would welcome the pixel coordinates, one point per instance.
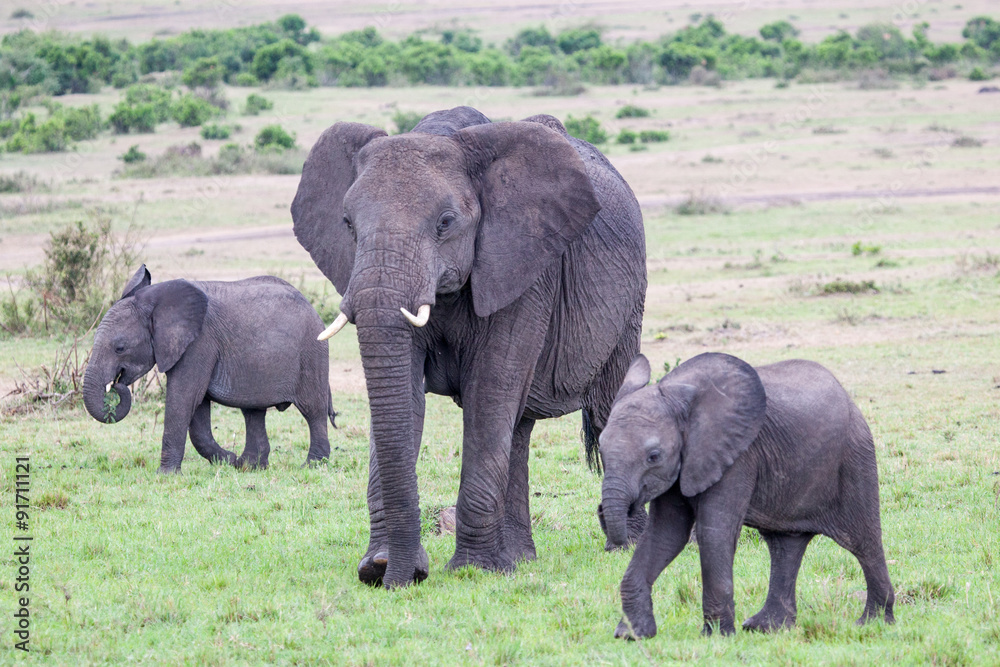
(719, 445)
(249, 344)
(529, 248)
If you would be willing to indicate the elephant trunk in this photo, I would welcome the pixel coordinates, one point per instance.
(95, 395)
(615, 505)
(386, 340)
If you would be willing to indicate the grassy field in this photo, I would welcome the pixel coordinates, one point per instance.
(836, 241)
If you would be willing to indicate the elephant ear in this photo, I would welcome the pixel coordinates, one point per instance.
(318, 207)
(724, 402)
(536, 199)
(177, 316)
(636, 378)
(139, 279)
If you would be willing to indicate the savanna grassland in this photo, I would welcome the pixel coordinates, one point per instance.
(853, 221)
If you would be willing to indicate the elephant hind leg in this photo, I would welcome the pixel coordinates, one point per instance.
(779, 609)
(202, 438)
(258, 448)
(319, 439)
(517, 520)
(871, 557)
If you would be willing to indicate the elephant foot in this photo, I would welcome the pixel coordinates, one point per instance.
(522, 551)
(169, 470)
(249, 464)
(639, 629)
(874, 615)
(726, 627)
(316, 463)
(224, 457)
(371, 569)
(768, 621)
(489, 562)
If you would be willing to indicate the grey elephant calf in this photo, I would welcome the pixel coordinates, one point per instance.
(718, 444)
(249, 344)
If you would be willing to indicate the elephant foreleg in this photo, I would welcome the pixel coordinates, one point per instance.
(720, 515)
(185, 392)
(670, 520)
(258, 448)
(517, 528)
(202, 438)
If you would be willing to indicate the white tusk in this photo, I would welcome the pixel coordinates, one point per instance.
(108, 388)
(332, 330)
(420, 319)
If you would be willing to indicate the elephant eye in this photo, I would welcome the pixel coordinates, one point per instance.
(348, 223)
(445, 223)
(654, 456)
(119, 348)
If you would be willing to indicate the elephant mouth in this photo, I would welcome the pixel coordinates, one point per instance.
(117, 380)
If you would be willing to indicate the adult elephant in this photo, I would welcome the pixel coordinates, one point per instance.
(521, 251)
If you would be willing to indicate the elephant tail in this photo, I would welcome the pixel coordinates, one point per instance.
(330, 411)
(590, 443)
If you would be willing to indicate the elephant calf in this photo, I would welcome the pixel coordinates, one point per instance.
(718, 444)
(249, 344)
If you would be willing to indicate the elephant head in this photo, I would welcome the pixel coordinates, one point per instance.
(398, 222)
(691, 425)
(150, 324)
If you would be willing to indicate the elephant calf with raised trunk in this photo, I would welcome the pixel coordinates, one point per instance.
(719, 445)
(249, 344)
(502, 264)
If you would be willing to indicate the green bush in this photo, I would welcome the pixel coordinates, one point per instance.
(653, 136)
(245, 80)
(215, 131)
(204, 73)
(132, 155)
(977, 74)
(191, 111)
(587, 128)
(139, 118)
(256, 103)
(273, 137)
(406, 120)
(56, 133)
(632, 111)
(626, 136)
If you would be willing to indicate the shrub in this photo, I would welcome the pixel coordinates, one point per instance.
(83, 272)
(133, 154)
(215, 131)
(191, 111)
(700, 204)
(632, 111)
(977, 74)
(273, 137)
(653, 136)
(406, 120)
(140, 118)
(626, 136)
(587, 128)
(20, 181)
(81, 122)
(245, 80)
(204, 73)
(256, 103)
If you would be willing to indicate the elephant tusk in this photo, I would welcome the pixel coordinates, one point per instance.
(420, 319)
(108, 388)
(332, 330)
